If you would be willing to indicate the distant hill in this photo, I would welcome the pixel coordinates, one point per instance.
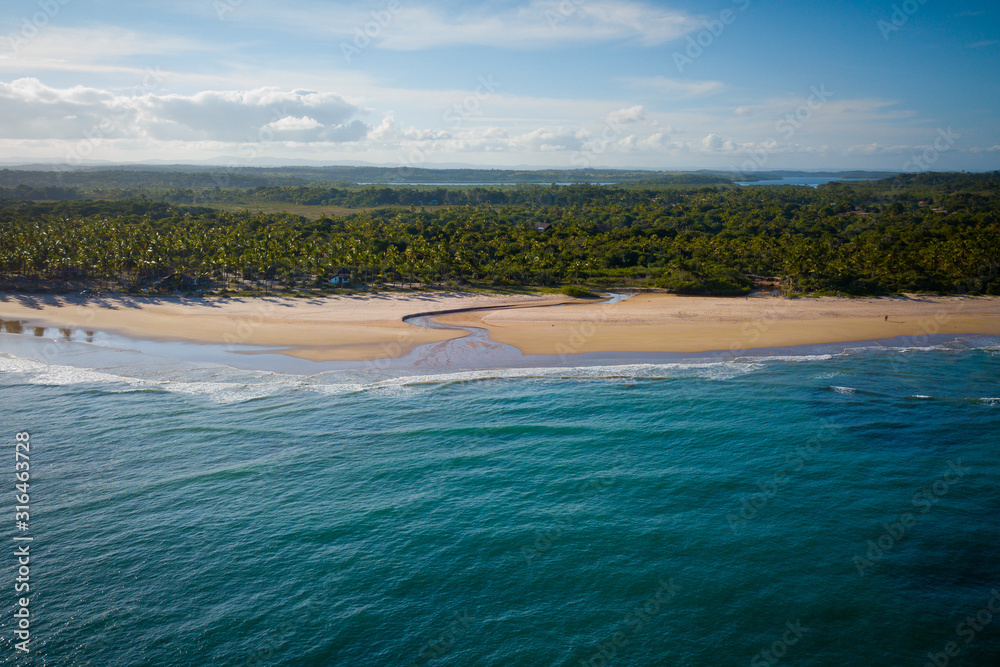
(196, 176)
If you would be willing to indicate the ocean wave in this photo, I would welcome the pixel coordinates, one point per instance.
(221, 384)
(721, 370)
(225, 385)
(236, 386)
(56, 375)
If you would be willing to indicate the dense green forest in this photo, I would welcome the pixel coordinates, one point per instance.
(927, 232)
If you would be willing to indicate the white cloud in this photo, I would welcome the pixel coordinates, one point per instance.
(29, 109)
(248, 115)
(675, 88)
(55, 45)
(537, 25)
(389, 132)
(627, 115)
(713, 143)
(293, 124)
(43, 120)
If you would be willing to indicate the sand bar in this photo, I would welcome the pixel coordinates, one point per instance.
(371, 326)
(651, 322)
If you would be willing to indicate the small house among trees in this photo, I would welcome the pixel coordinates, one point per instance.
(181, 282)
(342, 278)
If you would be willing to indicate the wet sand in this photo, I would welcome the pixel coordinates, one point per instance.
(372, 327)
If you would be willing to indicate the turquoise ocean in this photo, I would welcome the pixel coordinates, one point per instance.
(825, 506)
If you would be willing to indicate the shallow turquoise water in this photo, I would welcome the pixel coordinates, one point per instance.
(613, 516)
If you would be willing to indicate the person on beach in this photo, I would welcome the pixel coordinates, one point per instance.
(886, 318)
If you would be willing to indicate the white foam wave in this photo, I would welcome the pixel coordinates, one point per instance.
(795, 358)
(990, 401)
(227, 385)
(234, 389)
(711, 371)
(46, 374)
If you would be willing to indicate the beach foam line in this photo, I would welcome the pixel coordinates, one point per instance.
(235, 386)
(225, 385)
(718, 370)
(221, 384)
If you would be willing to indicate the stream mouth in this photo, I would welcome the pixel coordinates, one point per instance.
(476, 349)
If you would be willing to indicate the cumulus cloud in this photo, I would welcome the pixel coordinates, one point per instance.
(254, 115)
(389, 132)
(713, 143)
(628, 115)
(31, 110)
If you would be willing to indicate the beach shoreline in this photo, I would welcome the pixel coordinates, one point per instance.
(371, 327)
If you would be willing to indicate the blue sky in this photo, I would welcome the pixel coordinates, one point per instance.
(721, 84)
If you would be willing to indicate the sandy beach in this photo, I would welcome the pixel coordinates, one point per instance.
(371, 326)
(669, 323)
(348, 328)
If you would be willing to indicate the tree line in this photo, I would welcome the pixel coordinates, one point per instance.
(933, 232)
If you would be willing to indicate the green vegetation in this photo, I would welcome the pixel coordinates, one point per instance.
(578, 292)
(928, 232)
